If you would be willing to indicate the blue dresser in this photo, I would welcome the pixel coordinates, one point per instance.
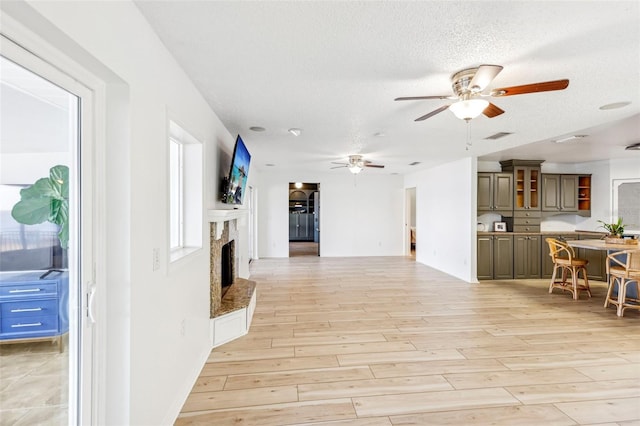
(34, 308)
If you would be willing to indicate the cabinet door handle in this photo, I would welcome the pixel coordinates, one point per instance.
(33, 324)
(26, 290)
(26, 310)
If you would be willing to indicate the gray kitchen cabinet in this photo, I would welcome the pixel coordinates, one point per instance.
(495, 257)
(526, 183)
(300, 227)
(559, 193)
(526, 256)
(495, 193)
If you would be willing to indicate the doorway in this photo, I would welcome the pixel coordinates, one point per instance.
(304, 219)
(45, 242)
(410, 222)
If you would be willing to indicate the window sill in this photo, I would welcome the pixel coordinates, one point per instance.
(180, 253)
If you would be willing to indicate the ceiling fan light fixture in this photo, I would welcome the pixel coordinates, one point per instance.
(469, 108)
(355, 169)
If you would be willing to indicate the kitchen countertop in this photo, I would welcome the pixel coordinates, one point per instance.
(595, 234)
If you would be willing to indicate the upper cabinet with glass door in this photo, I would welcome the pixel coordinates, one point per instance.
(526, 177)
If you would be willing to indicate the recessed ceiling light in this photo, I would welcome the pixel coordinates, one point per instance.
(270, 165)
(379, 134)
(615, 105)
(570, 138)
(298, 185)
(294, 131)
(415, 163)
(257, 128)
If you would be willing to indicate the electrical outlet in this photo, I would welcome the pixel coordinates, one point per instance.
(156, 259)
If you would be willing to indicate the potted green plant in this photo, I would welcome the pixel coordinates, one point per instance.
(615, 229)
(46, 200)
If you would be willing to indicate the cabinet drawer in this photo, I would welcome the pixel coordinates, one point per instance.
(527, 213)
(525, 221)
(36, 326)
(526, 228)
(29, 308)
(31, 289)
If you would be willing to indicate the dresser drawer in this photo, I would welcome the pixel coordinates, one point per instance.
(29, 289)
(25, 327)
(29, 308)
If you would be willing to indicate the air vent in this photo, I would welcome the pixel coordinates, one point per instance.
(633, 147)
(498, 136)
(415, 163)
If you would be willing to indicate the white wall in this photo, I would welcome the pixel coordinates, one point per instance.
(150, 365)
(357, 218)
(446, 215)
(604, 175)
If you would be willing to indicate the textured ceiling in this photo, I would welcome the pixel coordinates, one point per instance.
(333, 69)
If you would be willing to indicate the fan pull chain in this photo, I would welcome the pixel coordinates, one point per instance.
(468, 135)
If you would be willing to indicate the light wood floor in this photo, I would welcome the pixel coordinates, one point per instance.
(388, 341)
(303, 248)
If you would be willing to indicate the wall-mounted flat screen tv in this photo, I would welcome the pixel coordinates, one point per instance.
(237, 179)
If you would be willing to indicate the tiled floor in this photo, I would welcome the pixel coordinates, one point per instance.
(388, 341)
(33, 384)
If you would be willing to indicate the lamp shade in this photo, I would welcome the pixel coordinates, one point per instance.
(469, 108)
(355, 169)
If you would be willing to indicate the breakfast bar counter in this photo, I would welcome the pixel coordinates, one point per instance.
(602, 245)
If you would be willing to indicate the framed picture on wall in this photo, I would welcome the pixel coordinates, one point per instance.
(499, 227)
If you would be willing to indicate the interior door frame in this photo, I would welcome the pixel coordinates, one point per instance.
(409, 213)
(35, 54)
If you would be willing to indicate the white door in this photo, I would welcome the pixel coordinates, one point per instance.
(60, 136)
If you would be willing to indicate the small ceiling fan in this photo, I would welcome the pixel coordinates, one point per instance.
(469, 86)
(356, 164)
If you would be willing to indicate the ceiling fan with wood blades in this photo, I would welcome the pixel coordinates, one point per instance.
(356, 163)
(469, 89)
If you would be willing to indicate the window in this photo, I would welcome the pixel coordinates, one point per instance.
(185, 187)
(626, 203)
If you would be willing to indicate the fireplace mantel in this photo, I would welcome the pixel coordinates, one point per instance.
(219, 217)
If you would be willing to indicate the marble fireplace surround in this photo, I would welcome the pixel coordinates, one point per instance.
(230, 315)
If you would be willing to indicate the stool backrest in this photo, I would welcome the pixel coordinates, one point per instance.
(561, 249)
(628, 260)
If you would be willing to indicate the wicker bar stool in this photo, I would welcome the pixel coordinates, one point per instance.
(564, 259)
(623, 269)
